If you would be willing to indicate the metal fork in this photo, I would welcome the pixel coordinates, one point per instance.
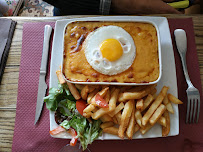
(193, 103)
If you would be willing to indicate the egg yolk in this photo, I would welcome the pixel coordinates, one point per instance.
(111, 49)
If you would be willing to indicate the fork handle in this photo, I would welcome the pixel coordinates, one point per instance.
(181, 43)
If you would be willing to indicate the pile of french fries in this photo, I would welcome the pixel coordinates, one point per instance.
(130, 108)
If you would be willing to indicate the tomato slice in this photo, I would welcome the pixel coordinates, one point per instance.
(57, 130)
(101, 102)
(74, 138)
(81, 105)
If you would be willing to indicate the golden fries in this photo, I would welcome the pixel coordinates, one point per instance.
(117, 109)
(154, 105)
(146, 128)
(79, 86)
(102, 93)
(168, 104)
(113, 100)
(138, 95)
(130, 130)
(118, 117)
(60, 77)
(157, 114)
(136, 128)
(106, 118)
(166, 130)
(91, 95)
(162, 121)
(140, 104)
(174, 99)
(127, 111)
(106, 124)
(130, 108)
(89, 108)
(147, 102)
(99, 113)
(111, 130)
(74, 91)
(84, 92)
(138, 117)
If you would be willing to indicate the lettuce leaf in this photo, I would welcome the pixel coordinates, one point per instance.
(56, 95)
(86, 132)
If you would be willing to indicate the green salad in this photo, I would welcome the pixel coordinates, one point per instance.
(68, 115)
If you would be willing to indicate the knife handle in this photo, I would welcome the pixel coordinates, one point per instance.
(47, 34)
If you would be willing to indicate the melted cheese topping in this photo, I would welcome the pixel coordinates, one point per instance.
(144, 69)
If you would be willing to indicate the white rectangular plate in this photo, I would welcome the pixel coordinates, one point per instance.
(168, 69)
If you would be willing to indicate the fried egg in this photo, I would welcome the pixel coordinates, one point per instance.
(110, 50)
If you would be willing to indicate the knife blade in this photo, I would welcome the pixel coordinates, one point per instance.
(42, 87)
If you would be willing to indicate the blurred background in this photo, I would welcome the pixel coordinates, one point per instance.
(39, 8)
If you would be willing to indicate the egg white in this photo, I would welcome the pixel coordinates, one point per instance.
(94, 56)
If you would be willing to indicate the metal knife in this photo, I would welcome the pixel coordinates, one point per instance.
(42, 87)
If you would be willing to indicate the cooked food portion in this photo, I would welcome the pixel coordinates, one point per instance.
(125, 52)
(115, 110)
(109, 54)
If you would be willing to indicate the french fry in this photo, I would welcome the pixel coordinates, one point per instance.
(162, 121)
(74, 91)
(113, 100)
(107, 96)
(87, 115)
(154, 105)
(140, 104)
(153, 91)
(106, 118)
(166, 130)
(115, 120)
(106, 125)
(146, 128)
(60, 77)
(102, 93)
(118, 117)
(84, 92)
(147, 102)
(112, 90)
(95, 109)
(174, 99)
(99, 113)
(168, 104)
(79, 86)
(138, 118)
(121, 99)
(89, 108)
(157, 114)
(127, 111)
(117, 109)
(130, 130)
(111, 130)
(136, 128)
(138, 95)
(91, 95)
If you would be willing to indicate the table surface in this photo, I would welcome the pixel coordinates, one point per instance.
(9, 84)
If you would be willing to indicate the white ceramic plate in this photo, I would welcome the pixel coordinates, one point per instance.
(168, 70)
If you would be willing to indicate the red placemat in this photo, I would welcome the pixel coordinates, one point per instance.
(28, 137)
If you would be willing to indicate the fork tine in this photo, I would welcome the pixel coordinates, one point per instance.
(198, 109)
(195, 108)
(191, 110)
(188, 110)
